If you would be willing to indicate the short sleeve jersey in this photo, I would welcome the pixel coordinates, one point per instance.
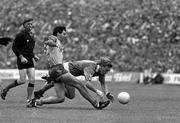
(85, 67)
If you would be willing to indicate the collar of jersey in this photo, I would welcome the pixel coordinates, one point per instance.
(97, 68)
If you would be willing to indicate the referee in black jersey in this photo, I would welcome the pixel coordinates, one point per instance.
(23, 47)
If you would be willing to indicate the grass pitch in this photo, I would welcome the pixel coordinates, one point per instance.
(149, 104)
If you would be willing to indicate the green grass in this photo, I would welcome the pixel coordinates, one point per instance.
(149, 104)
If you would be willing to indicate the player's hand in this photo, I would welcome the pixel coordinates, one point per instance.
(36, 58)
(23, 60)
(100, 94)
(110, 96)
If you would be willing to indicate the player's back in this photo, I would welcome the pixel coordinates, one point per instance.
(77, 67)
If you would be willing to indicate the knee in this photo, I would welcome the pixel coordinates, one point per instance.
(21, 81)
(70, 96)
(32, 81)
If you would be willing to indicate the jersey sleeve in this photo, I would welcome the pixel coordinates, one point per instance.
(102, 78)
(17, 44)
(88, 73)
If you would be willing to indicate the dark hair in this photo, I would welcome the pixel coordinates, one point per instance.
(27, 20)
(105, 62)
(58, 29)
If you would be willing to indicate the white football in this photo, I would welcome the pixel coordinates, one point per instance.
(123, 97)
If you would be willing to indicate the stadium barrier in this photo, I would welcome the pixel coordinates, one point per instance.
(168, 78)
(110, 77)
(171, 78)
(131, 77)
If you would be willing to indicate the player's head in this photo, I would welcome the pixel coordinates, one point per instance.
(105, 65)
(28, 24)
(59, 31)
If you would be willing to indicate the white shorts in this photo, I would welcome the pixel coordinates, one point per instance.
(66, 66)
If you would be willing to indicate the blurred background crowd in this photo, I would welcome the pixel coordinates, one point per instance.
(135, 34)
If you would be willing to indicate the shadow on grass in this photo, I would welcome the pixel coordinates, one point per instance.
(66, 108)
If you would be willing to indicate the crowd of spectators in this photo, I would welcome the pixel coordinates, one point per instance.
(135, 34)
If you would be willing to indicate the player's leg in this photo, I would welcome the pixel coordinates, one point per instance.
(59, 98)
(60, 95)
(39, 93)
(22, 80)
(69, 91)
(70, 80)
(31, 77)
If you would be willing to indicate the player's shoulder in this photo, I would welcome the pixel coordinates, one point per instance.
(19, 36)
(21, 33)
(86, 63)
(53, 38)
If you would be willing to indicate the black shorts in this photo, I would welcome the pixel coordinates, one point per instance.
(29, 64)
(56, 71)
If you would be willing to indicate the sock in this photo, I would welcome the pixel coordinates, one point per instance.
(30, 90)
(11, 85)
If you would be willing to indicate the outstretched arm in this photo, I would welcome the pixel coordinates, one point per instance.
(104, 88)
(88, 73)
(103, 85)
